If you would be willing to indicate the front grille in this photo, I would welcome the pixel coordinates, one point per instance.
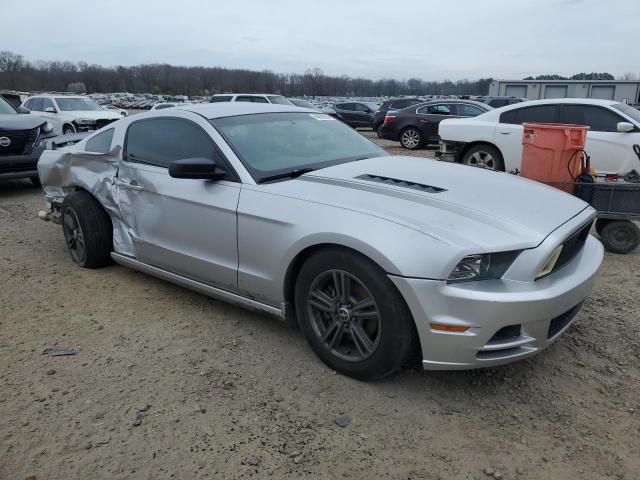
(401, 183)
(17, 167)
(572, 246)
(21, 141)
(102, 122)
(561, 321)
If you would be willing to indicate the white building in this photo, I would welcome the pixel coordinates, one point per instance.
(621, 90)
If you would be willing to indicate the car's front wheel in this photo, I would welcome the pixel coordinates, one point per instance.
(87, 230)
(485, 156)
(411, 138)
(68, 130)
(352, 315)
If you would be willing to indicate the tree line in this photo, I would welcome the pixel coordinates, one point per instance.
(18, 73)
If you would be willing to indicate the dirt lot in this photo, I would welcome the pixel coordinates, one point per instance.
(233, 394)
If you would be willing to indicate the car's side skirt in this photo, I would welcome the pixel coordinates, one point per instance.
(203, 288)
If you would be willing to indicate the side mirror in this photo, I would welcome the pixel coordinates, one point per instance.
(50, 110)
(624, 127)
(196, 168)
(24, 110)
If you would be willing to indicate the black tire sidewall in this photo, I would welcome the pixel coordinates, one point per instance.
(398, 337)
(608, 231)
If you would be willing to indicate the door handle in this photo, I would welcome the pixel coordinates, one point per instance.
(505, 133)
(126, 185)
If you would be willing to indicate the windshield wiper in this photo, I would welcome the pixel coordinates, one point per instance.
(291, 174)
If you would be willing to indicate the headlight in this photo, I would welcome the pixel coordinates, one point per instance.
(85, 121)
(551, 263)
(46, 128)
(484, 266)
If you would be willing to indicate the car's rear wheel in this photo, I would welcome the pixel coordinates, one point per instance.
(484, 156)
(620, 236)
(68, 129)
(411, 138)
(378, 129)
(87, 230)
(352, 315)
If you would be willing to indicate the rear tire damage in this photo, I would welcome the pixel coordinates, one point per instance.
(87, 230)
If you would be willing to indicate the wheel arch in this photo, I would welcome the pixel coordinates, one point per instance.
(296, 263)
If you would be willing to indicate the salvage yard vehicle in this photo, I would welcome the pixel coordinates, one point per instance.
(287, 211)
(417, 126)
(356, 114)
(22, 139)
(391, 105)
(70, 113)
(494, 140)
(250, 98)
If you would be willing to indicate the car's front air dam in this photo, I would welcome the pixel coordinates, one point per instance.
(488, 306)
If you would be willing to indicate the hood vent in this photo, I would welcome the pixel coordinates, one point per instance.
(401, 183)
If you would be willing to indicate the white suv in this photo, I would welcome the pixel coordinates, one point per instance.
(494, 139)
(251, 97)
(70, 113)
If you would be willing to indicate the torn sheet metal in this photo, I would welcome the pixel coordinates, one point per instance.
(65, 170)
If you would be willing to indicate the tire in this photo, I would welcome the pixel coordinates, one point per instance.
(620, 236)
(87, 230)
(384, 320)
(67, 130)
(35, 181)
(484, 156)
(600, 224)
(378, 129)
(411, 138)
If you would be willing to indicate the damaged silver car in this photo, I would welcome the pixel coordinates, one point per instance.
(287, 211)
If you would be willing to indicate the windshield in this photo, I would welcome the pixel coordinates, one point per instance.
(5, 108)
(279, 99)
(628, 111)
(68, 104)
(273, 143)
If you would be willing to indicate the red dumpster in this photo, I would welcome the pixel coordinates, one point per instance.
(551, 152)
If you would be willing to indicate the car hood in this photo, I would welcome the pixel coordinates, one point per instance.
(10, 122)
(93, 114)
(467, 206)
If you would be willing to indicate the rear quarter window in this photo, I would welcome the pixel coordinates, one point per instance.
(100, 143)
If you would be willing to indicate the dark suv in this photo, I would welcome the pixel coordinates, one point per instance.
(356, 114)
(497, 102)
(22, 140)
(392, 104)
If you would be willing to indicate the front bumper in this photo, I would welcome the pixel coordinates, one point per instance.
(21, 166)
(543, 310)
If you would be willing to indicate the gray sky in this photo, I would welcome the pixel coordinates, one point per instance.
(427, 39)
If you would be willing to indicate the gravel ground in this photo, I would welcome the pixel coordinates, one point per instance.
(226, 393)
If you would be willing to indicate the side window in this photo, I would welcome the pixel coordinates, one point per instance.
(100, 143)
(535, 114)
(400, 104)
(259, 100)
(345, 106)
(465, 110)
(47, 103)
(36, 105)
(498, 102)
(160, 141)
(360, 107)
(599, 119)
(222, 98)
(244, 99)
(438, 109)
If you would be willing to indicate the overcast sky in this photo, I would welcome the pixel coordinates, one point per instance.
(427, 39)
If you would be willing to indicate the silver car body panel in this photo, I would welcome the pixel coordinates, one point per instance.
(238, 240)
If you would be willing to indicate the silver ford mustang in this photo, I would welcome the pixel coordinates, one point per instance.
(288, 211)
